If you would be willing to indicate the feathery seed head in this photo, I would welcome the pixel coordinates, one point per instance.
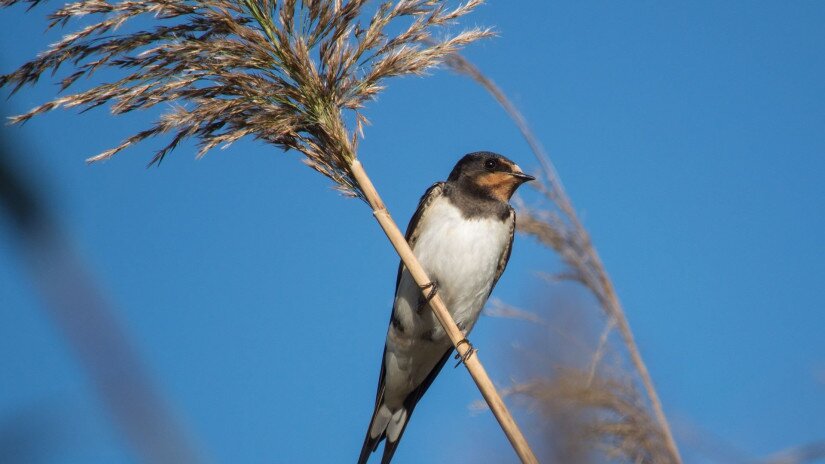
(280, 71)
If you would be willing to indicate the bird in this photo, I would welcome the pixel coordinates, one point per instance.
(462, 234)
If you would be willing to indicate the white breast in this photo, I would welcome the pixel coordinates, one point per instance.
(462, 255)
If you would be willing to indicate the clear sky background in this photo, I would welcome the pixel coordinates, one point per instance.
(690, 136)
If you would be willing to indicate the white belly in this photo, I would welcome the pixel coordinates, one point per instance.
(462, 255)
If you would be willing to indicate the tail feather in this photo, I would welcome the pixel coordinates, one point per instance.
(391, 425)
(375, 432)
(395, 429)
(370, 445)
(384, 425)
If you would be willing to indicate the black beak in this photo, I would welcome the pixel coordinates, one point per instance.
(522, 176)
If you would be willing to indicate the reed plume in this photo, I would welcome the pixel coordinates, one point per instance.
(601, 415)
(283, 72)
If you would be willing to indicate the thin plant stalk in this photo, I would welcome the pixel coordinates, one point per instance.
(472, 363)
(77, 306)
(582, 255)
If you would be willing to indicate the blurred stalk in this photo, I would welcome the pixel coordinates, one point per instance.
(572, 241)
(76, 305)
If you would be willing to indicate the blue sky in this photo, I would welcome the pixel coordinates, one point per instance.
(689, 136)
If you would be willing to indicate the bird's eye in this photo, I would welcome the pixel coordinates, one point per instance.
(491, 164)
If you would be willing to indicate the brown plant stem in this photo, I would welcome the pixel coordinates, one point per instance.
(636, 357)
(589, 259)
(472, 363)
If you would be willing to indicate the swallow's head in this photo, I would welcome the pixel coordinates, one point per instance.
(489, 173)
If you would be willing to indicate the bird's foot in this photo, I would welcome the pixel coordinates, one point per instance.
(463, 357)
(433, 287)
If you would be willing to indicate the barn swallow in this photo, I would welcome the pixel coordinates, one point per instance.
(462, 234)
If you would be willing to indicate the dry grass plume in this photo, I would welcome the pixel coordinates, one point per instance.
(285, 72)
